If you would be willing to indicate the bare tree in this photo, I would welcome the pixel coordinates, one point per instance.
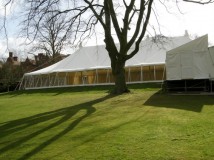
(10, 75)
(122, 20)
(52, 35)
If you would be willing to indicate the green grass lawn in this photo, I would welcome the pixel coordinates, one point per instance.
(84, 123)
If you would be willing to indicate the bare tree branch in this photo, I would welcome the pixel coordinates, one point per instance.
(142, 32)
(200, 1)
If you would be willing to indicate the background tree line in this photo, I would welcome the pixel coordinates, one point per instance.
(10, 76)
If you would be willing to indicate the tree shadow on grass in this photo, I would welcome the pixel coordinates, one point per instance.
(63, 114)
(73, 89)
(193, 103)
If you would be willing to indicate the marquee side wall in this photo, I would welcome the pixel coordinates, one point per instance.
(138, 74)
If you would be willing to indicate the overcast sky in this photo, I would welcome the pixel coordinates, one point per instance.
(197, 19)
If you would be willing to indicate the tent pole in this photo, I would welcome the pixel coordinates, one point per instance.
(55, 79)
(27, 80)
(46, 83)
(74, 78)
(58, 80)
(141, 73)
(97, 81)
(154, 73)
(37, 81)
(83, 82)
(41, 79)
(49, 79)
(107, 76)
(43, 82)
(21, 83)
(65, 79)
(46, 80)
(68, 79)
(94, 76)
(164, 70)
(83, 78)
(30, 81)
(129, 77)
(110, 73)
(34, 81)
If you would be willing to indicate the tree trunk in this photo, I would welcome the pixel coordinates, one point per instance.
(118, 71)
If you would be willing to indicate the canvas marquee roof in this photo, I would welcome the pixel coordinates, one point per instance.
(96, 57)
